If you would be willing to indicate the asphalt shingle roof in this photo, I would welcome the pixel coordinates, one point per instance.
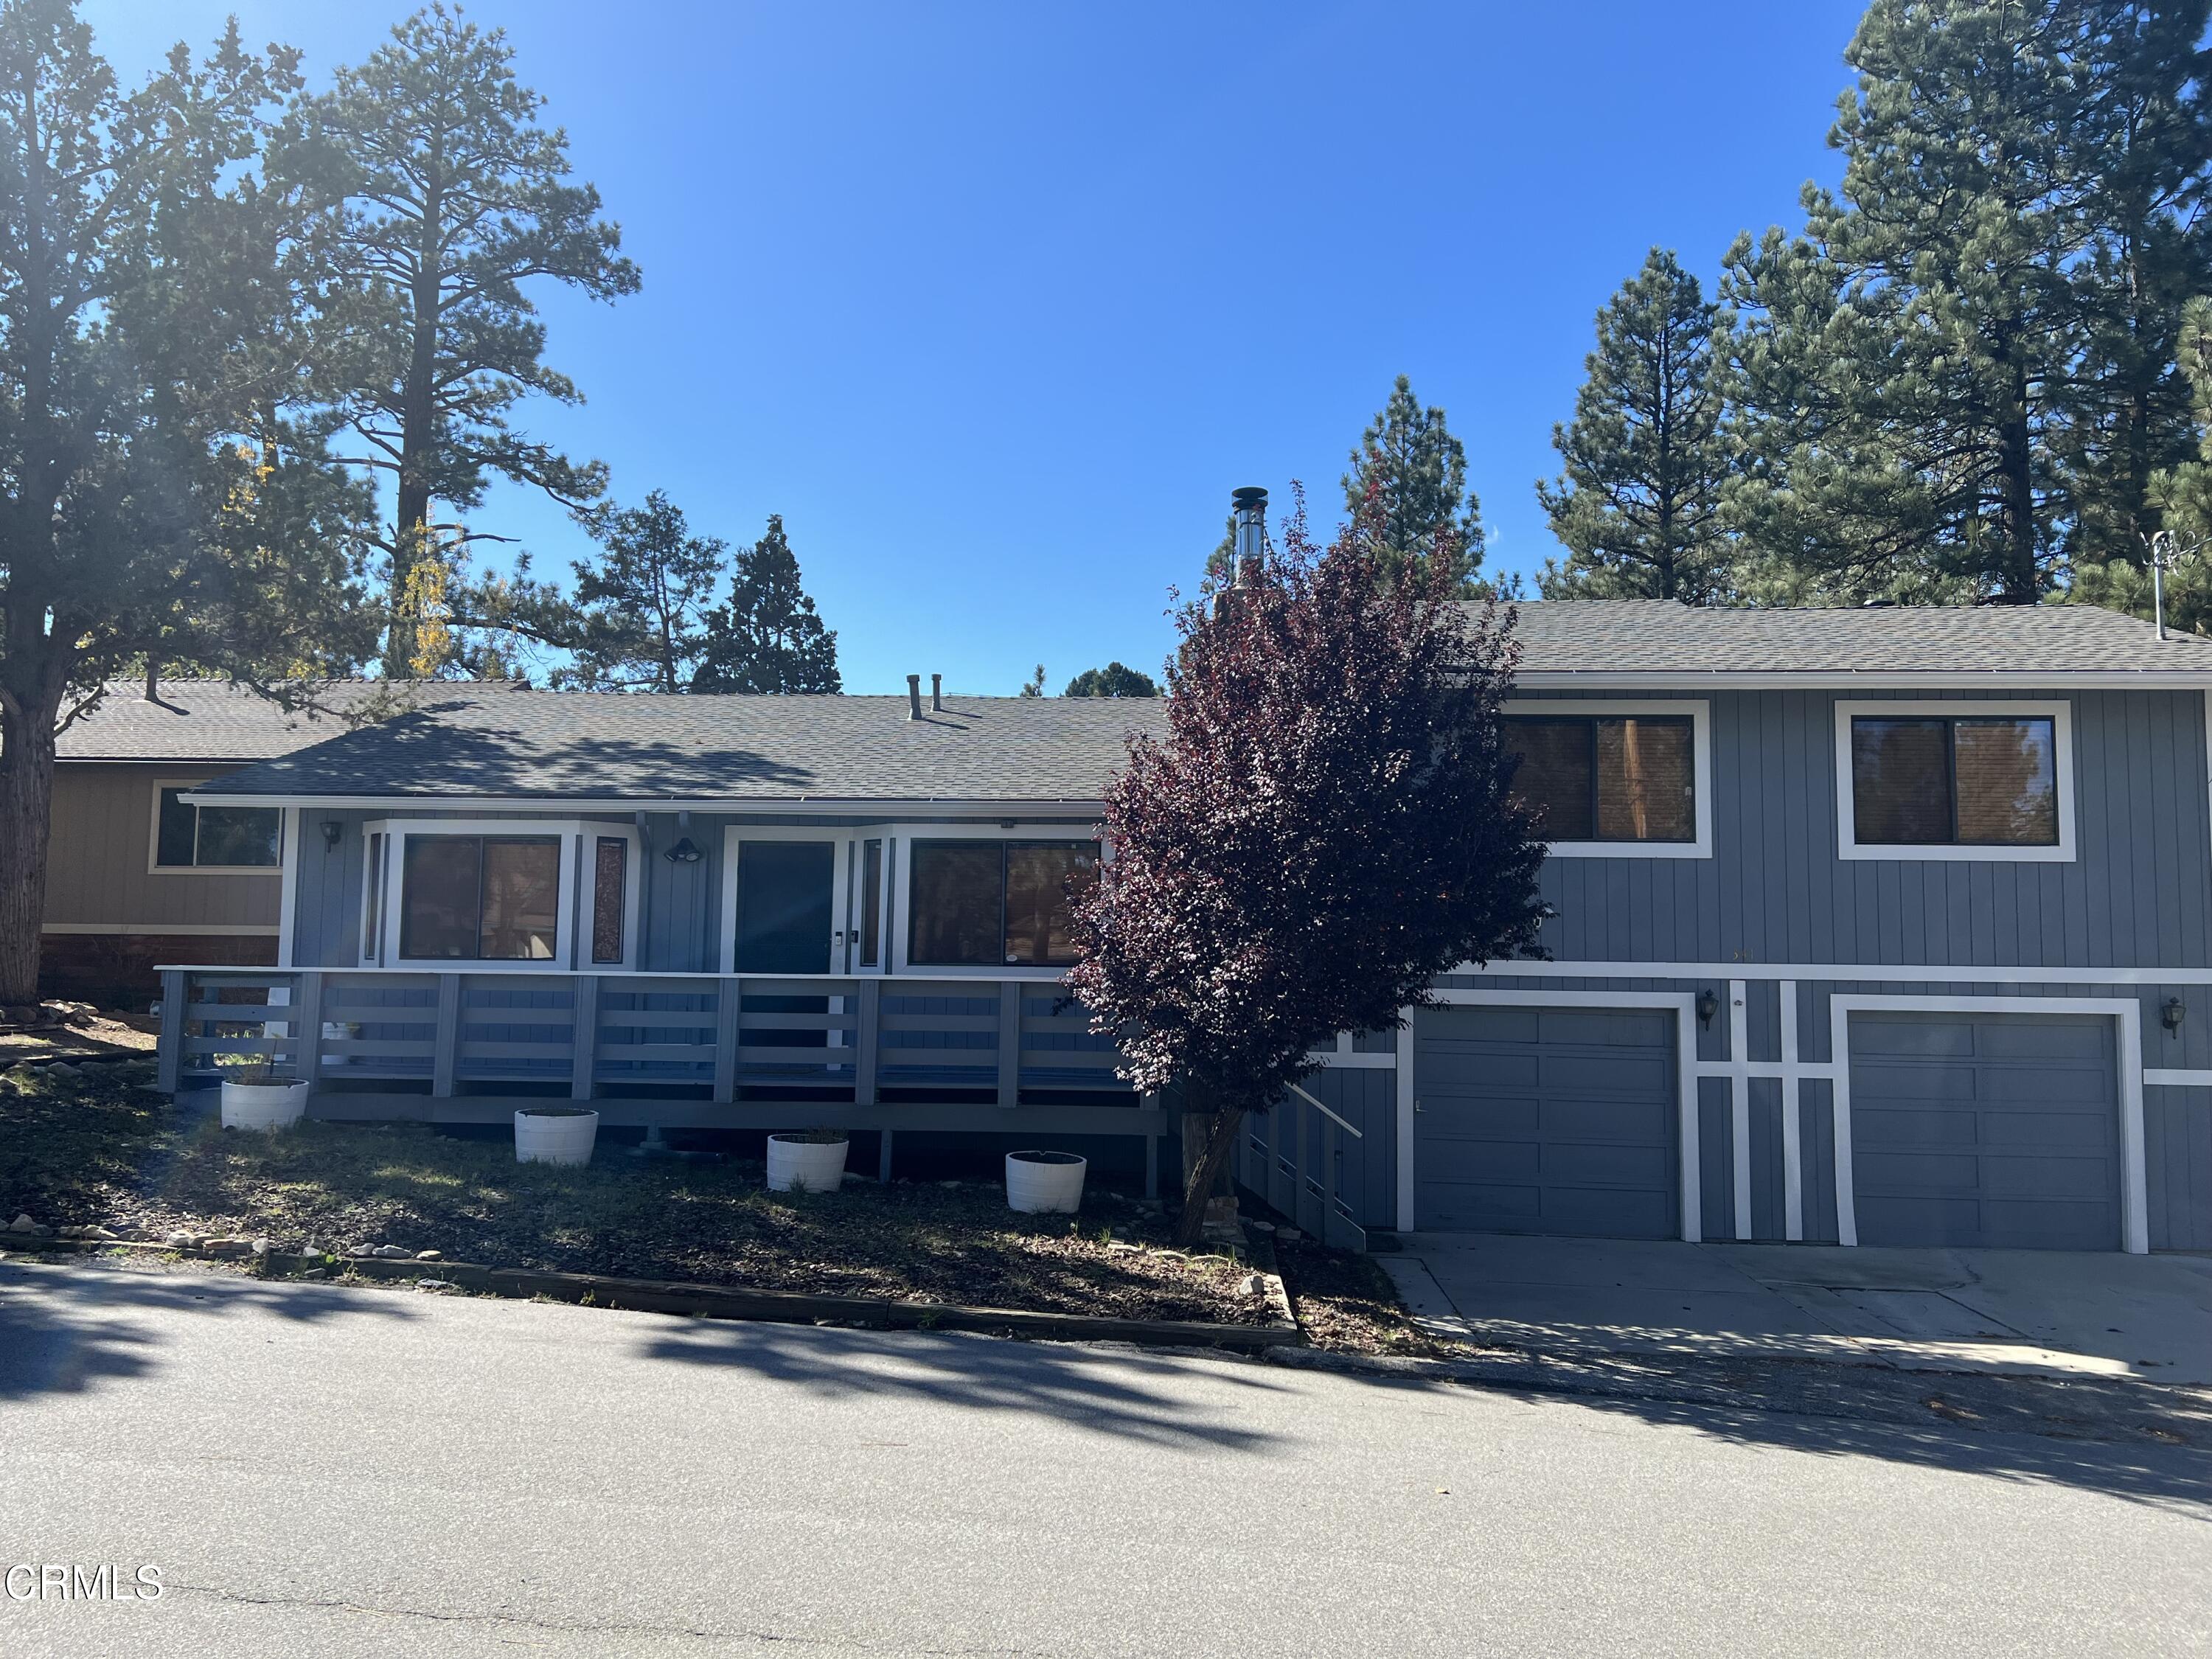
(467, 741)
(211, 721)
(579, 746)
(1656, 636)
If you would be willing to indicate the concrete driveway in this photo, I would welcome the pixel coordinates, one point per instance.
(2037, 1312)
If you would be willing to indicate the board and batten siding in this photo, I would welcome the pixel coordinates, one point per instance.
(2138, 894)
(97, 873)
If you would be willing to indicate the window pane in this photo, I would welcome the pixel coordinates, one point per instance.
(2008, 782)
(871, 901)
(172, 840)
(522, 891)
(957, 889)
(439, 889)
(1901, 782)
(240, 834)
(1644, 780)
(1554, 780)
(1038, 899)
(610, 885)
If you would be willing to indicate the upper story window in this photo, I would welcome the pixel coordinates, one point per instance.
(188, 837)
(1934, 780)
(1611, 779)
(996, 903)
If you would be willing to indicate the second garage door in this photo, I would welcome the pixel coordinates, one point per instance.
(1546, 1121)
(1997, 1130)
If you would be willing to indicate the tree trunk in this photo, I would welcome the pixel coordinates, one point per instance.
(26, 798)
(1227, 1124)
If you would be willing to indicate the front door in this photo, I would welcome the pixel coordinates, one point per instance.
(786, 906)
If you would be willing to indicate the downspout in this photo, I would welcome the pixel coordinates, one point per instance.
(644, 884)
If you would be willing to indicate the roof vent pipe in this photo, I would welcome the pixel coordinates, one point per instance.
(937, 694)
(913, 696)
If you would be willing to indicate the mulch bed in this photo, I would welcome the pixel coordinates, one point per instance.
(1346, 1303)
(91, 1149)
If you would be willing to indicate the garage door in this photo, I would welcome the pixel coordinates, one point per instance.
(1998, 1130)
(1546, 1121)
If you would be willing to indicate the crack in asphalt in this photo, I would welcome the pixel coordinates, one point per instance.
(594, 1628)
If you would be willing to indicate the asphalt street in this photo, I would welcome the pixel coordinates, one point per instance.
(322, 1471)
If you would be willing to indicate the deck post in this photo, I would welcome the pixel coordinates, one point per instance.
(1151, 1166)
(1010, 1042)
(584, 1048)
(170, 1061)
(307, 1041)
(729, 1003)
(446, 1051)
(863, 1052)
(883, 1156)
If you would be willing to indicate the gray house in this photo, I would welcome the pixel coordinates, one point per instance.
(1882, 926)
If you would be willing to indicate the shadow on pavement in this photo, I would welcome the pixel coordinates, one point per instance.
(1118, 1391)
(66, 1329)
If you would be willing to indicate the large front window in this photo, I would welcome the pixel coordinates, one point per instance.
(1936, 780)
(480, 898)
(990, 904)
(1606, 777)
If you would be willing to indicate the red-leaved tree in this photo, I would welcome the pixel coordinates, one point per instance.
(1323, 828)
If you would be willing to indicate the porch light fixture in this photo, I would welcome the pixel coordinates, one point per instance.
(332, 829)
(2170, 1013)
(686, 851)
(1708, 1005)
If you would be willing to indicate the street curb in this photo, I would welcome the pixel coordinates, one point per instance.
(720, 1302)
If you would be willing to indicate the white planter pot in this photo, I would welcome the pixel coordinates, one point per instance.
(565, 1136)
(263, 1105)
(805, 1166)
(1045, 1184)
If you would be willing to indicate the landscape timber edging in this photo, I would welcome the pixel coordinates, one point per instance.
(723, 1301)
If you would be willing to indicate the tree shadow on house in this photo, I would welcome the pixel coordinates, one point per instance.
(1108, 1390)
(70, 1328)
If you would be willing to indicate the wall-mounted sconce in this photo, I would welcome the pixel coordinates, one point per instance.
(686, 851)
(1708, 1005)
(2171, 1015)
(332, 829)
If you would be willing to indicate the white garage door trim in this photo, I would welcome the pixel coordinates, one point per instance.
(1684, 1004)
(2135, 1184)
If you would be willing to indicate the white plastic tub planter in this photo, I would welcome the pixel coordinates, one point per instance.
(263, 1105)
(1045, 1184)
(555, 1134)
(811, 1161)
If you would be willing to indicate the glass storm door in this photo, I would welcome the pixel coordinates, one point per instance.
(787, 907)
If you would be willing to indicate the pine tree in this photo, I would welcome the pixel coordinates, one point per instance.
(1409, 461)
(1638, 503)
(768, 637)
(645, 605)
(1906, 364)
(454, 197)
(1114, 680)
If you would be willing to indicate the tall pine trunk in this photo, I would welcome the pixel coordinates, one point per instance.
(26, 798)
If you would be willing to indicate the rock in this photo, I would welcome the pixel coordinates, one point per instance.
(178, 1240)
(1220, 1212)
(435, 1284)
(1260, 1226)
(948, 1185)
(228, 1247)
(429, 1256)
(1117, 1247)
(389, 1253)
(312, 1272)
(1252, 1285)
(21, 1224)
(260, 1247)
(63, 1068)
(1288, 1234)
(41, 1230)
(97, 1232)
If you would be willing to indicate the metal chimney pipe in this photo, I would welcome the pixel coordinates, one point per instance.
(913, 696)
(1248, 509)
(937, 694)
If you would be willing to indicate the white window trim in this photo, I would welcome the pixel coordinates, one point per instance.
(1701, 768)
(572, 904)
(2060, 713)
(734, 835)
(154, 868)
(900, 854)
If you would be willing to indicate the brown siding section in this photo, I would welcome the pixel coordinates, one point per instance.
(116, 970)
(97, 871)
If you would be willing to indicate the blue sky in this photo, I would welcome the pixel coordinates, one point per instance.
(995, 303)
